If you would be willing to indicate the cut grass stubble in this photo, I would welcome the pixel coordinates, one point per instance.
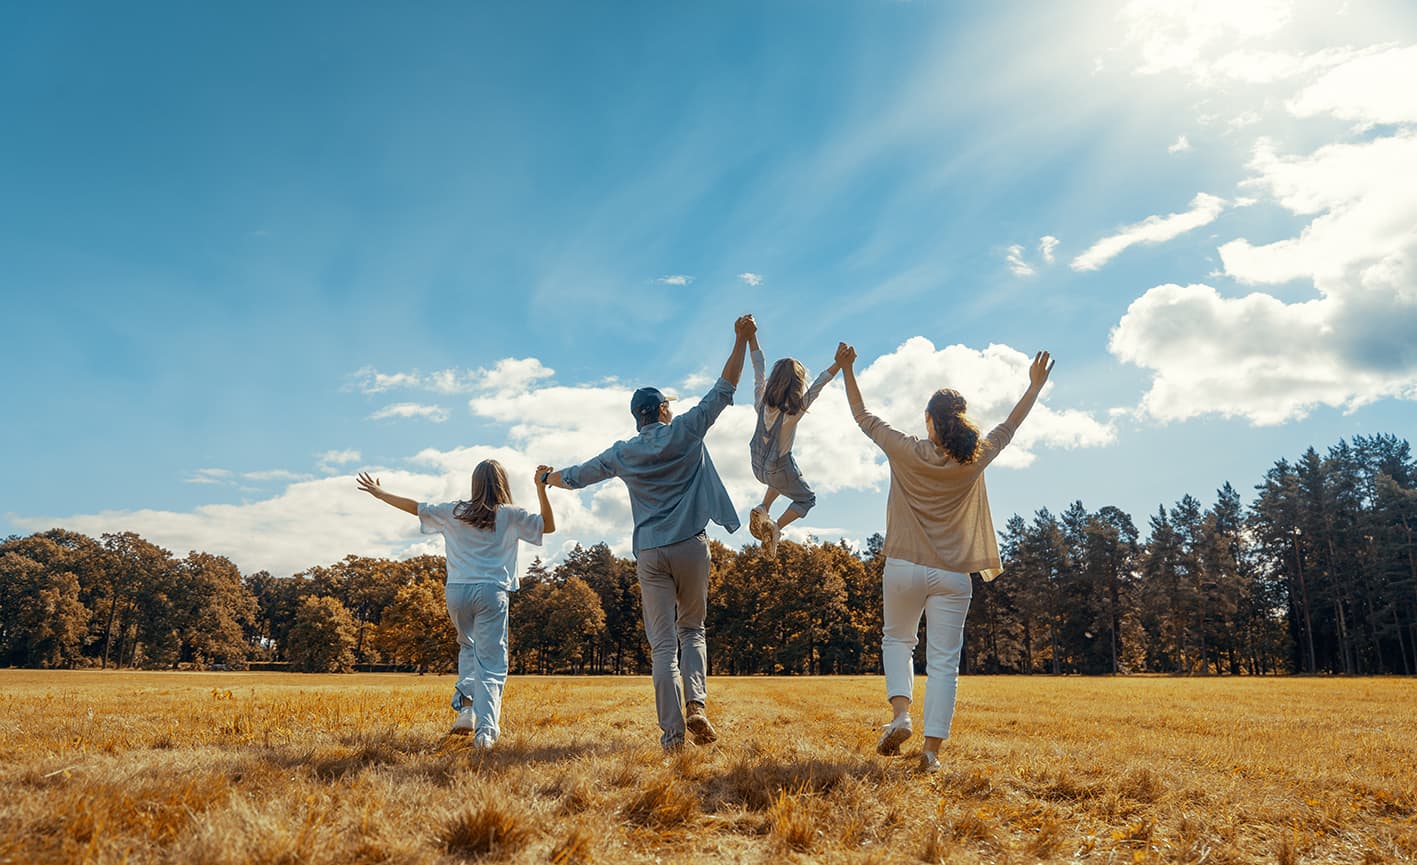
(228, 768)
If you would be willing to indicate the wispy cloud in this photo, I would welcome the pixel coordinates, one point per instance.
(330, 461)
(275, 475)
(1014, 259)
(1152, 230)
(1181, 145)
(753, 279)
(434, 413)
(209, 476)
(675, 279)
(508, 372)
(1046, 244)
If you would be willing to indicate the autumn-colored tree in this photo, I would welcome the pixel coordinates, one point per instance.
(415, 629)
(42, 621)
(322, 636)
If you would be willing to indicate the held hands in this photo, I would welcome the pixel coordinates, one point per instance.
(1038, 370)
(540, 477)
(370, 485)
(745, 327)
(845, 355)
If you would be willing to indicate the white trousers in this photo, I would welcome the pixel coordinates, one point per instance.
(479, 613)
(909, 591)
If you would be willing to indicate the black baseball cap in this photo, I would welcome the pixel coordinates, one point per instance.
(644, 405)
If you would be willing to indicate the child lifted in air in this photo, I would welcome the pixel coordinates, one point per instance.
(780, 402)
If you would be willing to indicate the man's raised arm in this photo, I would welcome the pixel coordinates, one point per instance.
(743, 330)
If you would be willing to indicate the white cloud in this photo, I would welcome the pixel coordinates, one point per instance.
(1046, 245)
(1371, 88)
(275, 475)
(1184, 36)
(676, 279)
(1260, 358)
(1152, 230)
(1361, 196)
(753, 279)
(209, 476)
(1181, 145)
(370, 380)
(1014, 259)
(329, 461)
(507, 373)
(434, 413)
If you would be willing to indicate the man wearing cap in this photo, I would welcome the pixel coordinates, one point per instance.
(674, 492)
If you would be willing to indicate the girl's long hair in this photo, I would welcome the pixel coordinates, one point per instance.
(953, 431)
(786, 383)
(490, 490)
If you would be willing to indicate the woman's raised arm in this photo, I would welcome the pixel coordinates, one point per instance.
(1037, 377)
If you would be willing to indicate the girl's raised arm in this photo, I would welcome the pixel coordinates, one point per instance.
(548, 519)
(371, 486)
(845, 358)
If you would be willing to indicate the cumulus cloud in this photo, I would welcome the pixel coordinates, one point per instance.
(675, 279)
(1361, 196)
(1369, 88)
(1181, 145)
(1014, 259)
(1152, 230)
(753, 279)
(434, 413)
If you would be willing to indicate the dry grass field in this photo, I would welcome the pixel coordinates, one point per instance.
(237, 768)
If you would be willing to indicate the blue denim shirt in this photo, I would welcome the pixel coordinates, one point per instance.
(674, 488)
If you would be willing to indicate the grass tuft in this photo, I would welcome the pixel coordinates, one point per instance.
(664, 802)
(486, 828)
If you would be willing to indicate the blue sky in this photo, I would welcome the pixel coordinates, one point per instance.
(247, 252)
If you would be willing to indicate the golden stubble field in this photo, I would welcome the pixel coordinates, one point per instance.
(259, 768)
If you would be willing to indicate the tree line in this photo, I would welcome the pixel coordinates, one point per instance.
(1318, 574)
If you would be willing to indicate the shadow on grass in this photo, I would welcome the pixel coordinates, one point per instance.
(755, 781)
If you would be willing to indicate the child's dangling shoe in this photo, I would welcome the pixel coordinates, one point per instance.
(774, 535)
(757, 520)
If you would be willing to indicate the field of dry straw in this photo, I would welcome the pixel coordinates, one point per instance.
(237, 768)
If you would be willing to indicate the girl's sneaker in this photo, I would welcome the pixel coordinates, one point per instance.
(757, 519)
(484, 740)
(466, 722)
(774, 535)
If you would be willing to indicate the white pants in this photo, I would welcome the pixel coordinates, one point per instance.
(479, 613)
(943, 597)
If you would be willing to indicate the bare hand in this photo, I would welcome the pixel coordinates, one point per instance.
(845, 355)
(1038, 370)
(370, 485)
(541, 473)
(745, 327)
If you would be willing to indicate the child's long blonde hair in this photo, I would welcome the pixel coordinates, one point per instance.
(786, 385)
(490, 490)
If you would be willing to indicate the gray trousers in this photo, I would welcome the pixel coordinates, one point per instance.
(674, 598)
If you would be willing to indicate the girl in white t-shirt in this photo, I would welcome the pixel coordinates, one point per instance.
(480, 536)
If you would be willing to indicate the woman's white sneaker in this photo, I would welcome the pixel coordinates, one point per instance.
(929, 762)
(892, 735)
(465, 723)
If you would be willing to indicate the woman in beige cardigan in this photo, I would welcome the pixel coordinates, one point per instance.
(938, 533)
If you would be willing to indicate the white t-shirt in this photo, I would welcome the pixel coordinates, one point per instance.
(481, 555)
